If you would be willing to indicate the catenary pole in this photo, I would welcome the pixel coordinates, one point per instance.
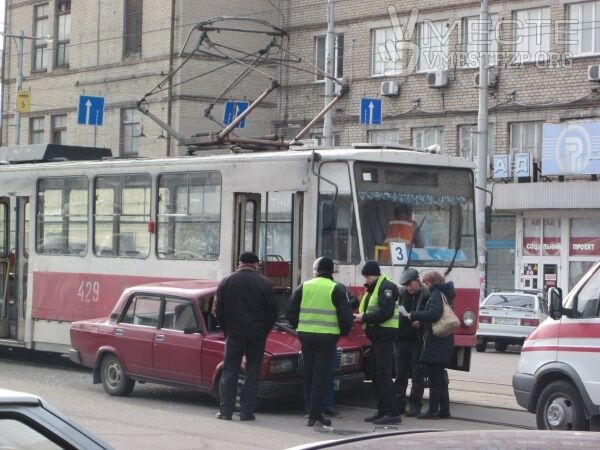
(329, 70)
(482, 143)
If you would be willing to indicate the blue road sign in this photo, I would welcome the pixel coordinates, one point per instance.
(370, 111)
(233, 109)
(91, 110)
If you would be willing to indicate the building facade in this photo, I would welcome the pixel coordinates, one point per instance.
(119, 50)
(545, 227)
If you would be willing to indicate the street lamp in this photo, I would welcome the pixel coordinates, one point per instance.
(19, 40)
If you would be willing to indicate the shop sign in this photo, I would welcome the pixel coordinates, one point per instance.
(551, 246)
(531, 246)
(585, 246)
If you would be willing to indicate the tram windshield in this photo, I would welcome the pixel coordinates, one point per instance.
(428, 211)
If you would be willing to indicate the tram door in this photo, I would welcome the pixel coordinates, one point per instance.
(14, 252)
(247, 226)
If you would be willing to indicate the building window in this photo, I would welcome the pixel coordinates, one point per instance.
(427, 136)
(532, 35)
(319, 138)
(338, 65)
(387, 52)
(36, 130)
(583, 28)
(133, 27)
(467, 141)
(472, 27)
(526, 137)
(59, 129)
(63, 32)
(130, 124)
(433, 45)
(40, 31)
(384, 137)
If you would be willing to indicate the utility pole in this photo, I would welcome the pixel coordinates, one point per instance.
(19, 38)
(329, 72)
(482, 143)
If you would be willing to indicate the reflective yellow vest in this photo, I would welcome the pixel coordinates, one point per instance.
(317, 312)
(393, 321)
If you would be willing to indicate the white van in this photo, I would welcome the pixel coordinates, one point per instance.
(558, 376)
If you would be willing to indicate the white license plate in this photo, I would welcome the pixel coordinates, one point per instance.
(506, 321)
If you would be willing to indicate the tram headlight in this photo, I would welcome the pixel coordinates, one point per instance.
(468, 318)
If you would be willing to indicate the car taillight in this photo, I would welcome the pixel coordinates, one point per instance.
(530, 322)
(485, 319)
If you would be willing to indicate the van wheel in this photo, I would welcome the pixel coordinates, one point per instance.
(481, 346)
(500, 346)
(113, 377)
(560, 408)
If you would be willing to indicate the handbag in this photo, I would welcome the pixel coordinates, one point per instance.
(447, 323)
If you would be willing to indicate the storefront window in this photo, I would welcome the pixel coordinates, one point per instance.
(532, 233)
(585, 237)
(577, 269)
(551, 237)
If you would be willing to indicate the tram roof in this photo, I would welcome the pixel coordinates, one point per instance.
(371, 154)
(42, 153)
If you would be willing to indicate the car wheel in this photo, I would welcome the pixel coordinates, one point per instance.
(480, 346)
(500, 347)
(113, 377)
(560, 408)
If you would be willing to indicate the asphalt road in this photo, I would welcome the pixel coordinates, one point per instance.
(156, 417)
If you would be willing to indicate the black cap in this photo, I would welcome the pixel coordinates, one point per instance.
(371, 268)
(323, 265)
(408, 276)
(248, 258)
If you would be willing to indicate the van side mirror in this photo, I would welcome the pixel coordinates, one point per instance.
(555, 309)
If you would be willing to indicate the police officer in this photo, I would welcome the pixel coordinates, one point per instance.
(320, 311)
(407, 348)
(379, 316)
(246, 309)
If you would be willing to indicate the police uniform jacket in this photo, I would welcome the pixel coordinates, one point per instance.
(388, 298)
(339, 299)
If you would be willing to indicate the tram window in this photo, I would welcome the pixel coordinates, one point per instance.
(62, 216)
(338, 237)
(189, 216)
(121, 216)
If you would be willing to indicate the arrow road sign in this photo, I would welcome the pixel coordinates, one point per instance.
(370, 111)
(91, 110)
(233, 109)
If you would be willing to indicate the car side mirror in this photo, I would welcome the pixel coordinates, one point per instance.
(555, 308)
(191, 330)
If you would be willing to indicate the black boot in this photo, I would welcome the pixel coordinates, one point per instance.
(434, 405)
(444, 404)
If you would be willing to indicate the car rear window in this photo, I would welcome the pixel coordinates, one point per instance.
(520, 301)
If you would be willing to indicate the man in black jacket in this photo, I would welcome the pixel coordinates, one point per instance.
(319, 309)
(407, 348)
(379, 317)
(246, 309)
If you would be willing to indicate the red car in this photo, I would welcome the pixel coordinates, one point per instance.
(165, 333)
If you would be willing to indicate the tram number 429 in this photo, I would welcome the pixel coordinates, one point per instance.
(89, 291)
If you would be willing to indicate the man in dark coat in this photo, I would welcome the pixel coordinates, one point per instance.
(378, 314)
(319, 309)
(246, 309)
(407, 348)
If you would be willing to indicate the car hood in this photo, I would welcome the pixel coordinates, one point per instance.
(279, 341)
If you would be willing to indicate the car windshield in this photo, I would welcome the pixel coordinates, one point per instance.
(428, 209)
(518, 301)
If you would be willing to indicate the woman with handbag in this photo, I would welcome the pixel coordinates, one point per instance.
(437, 351)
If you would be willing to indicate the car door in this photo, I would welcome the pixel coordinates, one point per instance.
(579, 340)
(177, 355)
(133, 335)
